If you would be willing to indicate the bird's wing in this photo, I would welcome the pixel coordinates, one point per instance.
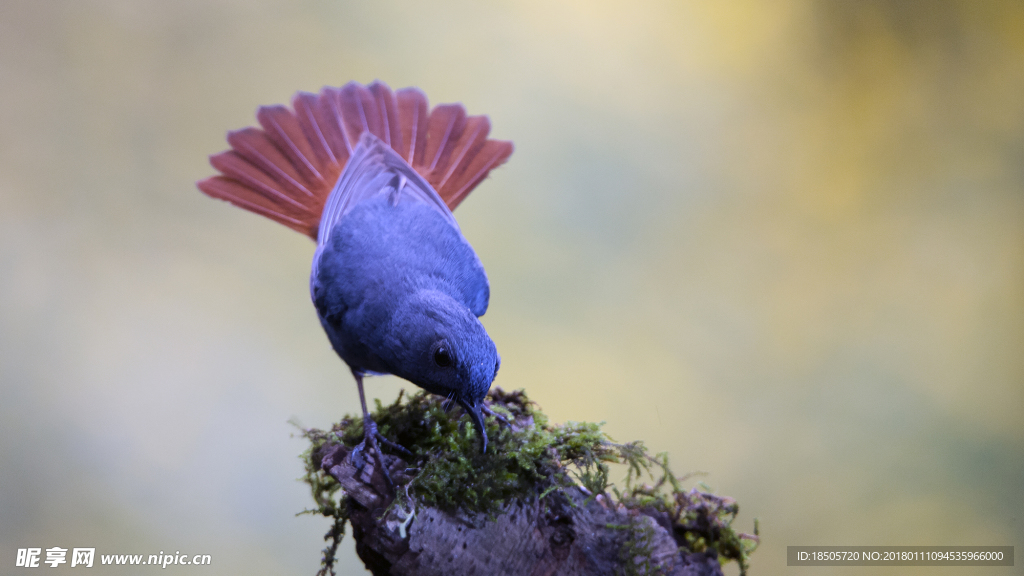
(375, 168)
(287, 170)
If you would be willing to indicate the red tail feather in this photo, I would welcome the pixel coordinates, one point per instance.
(412, 116)
(286, 170)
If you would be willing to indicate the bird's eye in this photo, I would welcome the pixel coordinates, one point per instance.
(442, 357)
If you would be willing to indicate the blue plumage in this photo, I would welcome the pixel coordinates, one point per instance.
(397, 287)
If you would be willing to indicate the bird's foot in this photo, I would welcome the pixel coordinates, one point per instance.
(497, 416)
(371, 437)
(393, 446)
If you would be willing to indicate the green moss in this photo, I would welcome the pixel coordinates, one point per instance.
(635, 554)
(326, 493)
(701, 520)
(527, 459)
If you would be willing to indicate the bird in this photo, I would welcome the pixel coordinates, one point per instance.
(372, 176)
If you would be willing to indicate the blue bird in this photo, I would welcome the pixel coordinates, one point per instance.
(372, 177)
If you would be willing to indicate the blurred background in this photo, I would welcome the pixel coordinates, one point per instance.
(782, 241)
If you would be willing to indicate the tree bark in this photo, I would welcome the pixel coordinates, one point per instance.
(566, 533)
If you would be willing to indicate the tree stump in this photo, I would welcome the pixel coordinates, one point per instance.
(551, 524)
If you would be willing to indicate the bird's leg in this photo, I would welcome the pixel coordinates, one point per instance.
(370, 437)
(377, 436)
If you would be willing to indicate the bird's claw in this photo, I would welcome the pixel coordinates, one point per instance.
(497, 415)
(357, 456)
(372, 439)
(394, 446)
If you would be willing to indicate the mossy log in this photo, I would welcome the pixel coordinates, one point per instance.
(539, 503)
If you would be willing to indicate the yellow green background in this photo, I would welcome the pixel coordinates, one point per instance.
(783, 241)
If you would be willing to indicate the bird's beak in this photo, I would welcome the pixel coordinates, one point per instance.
(473, 409)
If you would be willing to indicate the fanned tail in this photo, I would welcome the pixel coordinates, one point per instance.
(286, 170)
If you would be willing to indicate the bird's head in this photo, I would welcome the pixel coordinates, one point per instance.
(438, 344)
